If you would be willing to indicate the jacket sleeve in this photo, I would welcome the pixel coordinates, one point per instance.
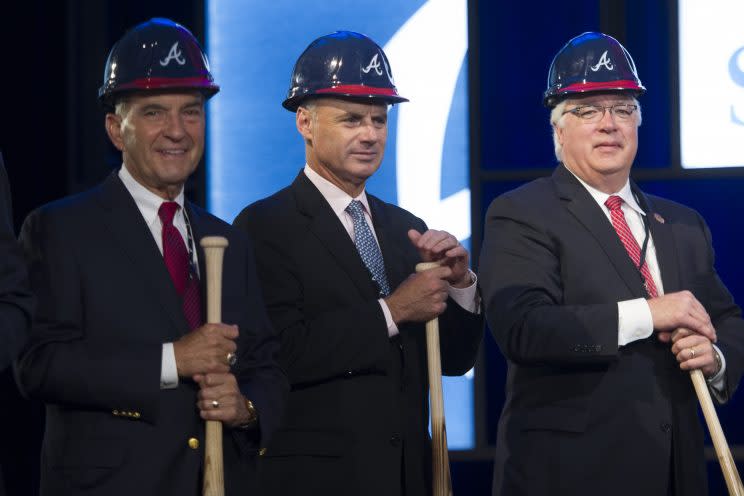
(259, 375)
(16, 302)
(724, 313)
(64, 362)
(520, 273)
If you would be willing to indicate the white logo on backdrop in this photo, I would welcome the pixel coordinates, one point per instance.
(373, 64)
(174, 54)
(422, 123)
(737, 76)
(604, 61)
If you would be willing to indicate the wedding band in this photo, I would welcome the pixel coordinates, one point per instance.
(231, 359)
(692, 352)
(215, 404)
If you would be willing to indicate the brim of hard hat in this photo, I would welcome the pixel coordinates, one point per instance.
(352, 92)
(204, 85)
(621, 85)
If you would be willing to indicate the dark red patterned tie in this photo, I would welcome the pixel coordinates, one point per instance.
(177, 261)
(615, 203)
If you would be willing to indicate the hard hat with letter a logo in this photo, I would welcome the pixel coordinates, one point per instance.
(343, 64)
(591, 62)
(156, 55)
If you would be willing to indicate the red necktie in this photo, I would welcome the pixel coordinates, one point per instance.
(614, 203)
(177, 261)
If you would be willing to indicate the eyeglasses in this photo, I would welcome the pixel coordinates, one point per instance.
(595, 113)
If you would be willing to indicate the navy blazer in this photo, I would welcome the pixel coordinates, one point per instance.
(106, 306)
(358, 408)
(582, 415)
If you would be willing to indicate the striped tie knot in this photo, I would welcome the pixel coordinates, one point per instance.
(614, 203)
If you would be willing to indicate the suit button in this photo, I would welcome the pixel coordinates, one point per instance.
(136, 415)
(262, 452)
(395, 440)
(193, 443)
(666, 427)
(115, 413)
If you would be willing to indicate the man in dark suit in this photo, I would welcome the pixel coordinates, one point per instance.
(16, 302)
(337, 271)
(118, 351)
(602, 299)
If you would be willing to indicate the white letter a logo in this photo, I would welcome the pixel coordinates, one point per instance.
(604, 61)
(174, 54)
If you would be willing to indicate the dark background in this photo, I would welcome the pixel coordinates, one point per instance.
(52, 138)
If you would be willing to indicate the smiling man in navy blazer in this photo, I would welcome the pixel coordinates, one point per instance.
(586, 281)
(119, 352)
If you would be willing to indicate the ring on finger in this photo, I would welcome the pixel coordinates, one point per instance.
(231, 359)
(215, 404)
(692, 352)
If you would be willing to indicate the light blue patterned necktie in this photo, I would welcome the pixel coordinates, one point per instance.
(367, 247)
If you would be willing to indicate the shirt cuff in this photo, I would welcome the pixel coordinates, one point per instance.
(468, 297)
(168, 369)
(634, 321)
(392, 329)
(717, 383)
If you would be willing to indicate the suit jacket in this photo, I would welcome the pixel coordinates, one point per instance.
(583, 416)
(106, 305)
(16, 302)
(357, 416)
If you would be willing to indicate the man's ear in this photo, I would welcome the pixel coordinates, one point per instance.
(558, 133)
(113, 129)
(304, 121)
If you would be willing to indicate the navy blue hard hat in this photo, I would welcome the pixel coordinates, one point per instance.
(591, 62)
(156, 55)
(344, 64)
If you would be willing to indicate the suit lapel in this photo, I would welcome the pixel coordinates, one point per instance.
(661, 233)
(197, 231)
(582, 206)
(133, 237)
(392, 254)
(329, 231)
(196, 222)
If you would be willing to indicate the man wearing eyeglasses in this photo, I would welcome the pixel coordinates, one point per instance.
(602, 299)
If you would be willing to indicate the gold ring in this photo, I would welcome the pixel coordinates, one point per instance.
(215, 404)
(692, 352)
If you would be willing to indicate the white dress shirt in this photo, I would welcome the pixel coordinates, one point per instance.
(339, 200)
(148, 204)
(634, 316)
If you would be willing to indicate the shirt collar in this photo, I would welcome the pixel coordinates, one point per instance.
(147, 201)
(626, 193)
(337, 198)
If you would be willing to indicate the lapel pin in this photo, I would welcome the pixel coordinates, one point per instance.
(659, 218)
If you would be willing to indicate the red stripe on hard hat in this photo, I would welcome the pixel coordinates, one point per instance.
(605, 85)
(359, 89)
(161, 82)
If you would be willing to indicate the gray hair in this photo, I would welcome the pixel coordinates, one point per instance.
(557, 117)
(121, 108)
